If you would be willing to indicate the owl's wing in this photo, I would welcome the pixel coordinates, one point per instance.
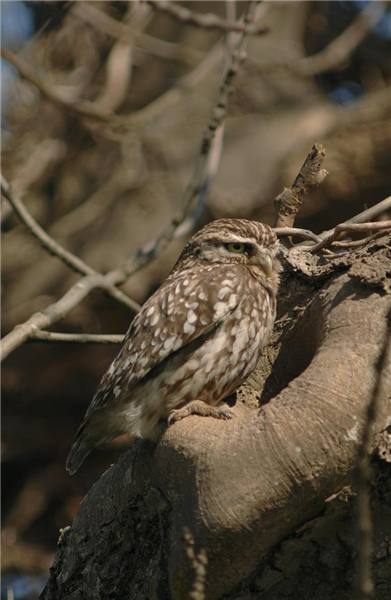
(185, 307)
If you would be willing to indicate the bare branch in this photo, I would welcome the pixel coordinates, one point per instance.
(139, 118)
(46, 317)
(310, 176)
(337, 52)
(347, 227)
(117, 29)
(208, 21)
(37, 335)
(55, 249)
(364, 216)
(342, 47)
(119, 64)
(80, 107)
(365, 527)
(306, 234)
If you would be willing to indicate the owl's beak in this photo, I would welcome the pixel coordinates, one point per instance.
(267, 265)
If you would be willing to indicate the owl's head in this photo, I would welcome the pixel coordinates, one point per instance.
(236, 241)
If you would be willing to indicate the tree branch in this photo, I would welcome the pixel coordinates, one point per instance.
(84, 108)
(310, 176)
(342, 47)
(366, 215)
(347, 227)
(335, 53)
(120, 30)
(55, 249)
(208, 21)
(37, 335)
(306, 234)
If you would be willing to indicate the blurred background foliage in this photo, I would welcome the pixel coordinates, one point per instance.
(103, 189)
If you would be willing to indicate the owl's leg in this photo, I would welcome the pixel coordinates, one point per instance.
(198, 407)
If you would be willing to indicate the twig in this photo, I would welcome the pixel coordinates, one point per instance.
(37, 335)
(365, 584)
(55, 249)
(71, 260)
(46, 317)
(208, 21)
(80, 107)
(119, 64)
(117, 29)
(364, 216)
(358, 243)
(310, 176)
(137, 119)
(306, 234)
(336, 53)
(342, 47)
(346, 227)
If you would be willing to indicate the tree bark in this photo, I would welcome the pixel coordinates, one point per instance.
(239, 509)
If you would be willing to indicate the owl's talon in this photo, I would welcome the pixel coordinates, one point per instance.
(197, 407)
(225, 414)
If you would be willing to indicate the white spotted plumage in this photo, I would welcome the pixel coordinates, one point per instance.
(194, 341)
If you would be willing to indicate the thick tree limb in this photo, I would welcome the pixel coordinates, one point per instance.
(239, 487)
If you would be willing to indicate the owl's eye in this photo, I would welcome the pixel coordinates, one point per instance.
(236, 247)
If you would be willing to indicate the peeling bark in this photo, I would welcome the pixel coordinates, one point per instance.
(242, 488)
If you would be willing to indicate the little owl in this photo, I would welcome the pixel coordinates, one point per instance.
(193, 342)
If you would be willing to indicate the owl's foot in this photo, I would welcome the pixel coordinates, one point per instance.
(197, 407)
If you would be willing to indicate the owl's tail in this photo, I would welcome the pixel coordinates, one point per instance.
(81, 447)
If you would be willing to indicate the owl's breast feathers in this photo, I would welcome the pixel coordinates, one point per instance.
(190, 304)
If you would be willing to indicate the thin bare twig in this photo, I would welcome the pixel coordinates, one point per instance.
(55, 249)
(37, 335)
(365, 584)
(120, 30)
(342, 47)
(366, 215)
(306, 234)
(347, 227)
(336, 53)
(53, 313)
(310, 176)
(119, 64)
(208, 21)
(137, 119)
(357, 243)
(80, 107)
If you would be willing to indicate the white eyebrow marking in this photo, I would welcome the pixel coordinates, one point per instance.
(242, 240)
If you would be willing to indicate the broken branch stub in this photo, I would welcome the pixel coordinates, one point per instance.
(311, 174)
